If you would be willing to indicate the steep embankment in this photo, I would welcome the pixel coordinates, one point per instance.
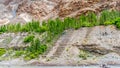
(25, 10)
(78, 47)
(99, 46)
(90, 43)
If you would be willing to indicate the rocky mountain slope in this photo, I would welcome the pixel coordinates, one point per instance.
(26, 10)
(100, 42)
(84, 46)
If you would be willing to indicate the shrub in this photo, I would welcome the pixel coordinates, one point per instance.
(36, 46)
(2, 51)
(82, 19)
(117, 22)
(43, 29)
(87, 24)
(103, 17)
(118, 25)
(31, 55)
(18, 53)
(83, 54)
(3, 29)
(29, 38)
(91, 17)
(42, 49)
(108, 23)
(108, 16)
(35, 49)
(27, 58)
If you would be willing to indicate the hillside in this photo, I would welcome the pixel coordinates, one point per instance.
(64, 32)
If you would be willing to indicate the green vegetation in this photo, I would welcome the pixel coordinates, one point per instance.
(108, 23)
(83, 54)
(117, 22)
(108, 16)
(19, 53)
(33, 26)
(2, 51)
(35, 49)
(28, 39)
(55, 28)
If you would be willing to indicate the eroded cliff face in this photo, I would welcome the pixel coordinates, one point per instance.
(83, 46)
(47, 9)
(100, 43)
(51, 9)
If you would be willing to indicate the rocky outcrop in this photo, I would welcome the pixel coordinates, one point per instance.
(85, 46)
(51, 9)
(4, 22)
(98, 42)
(47, 9)
(8, 40)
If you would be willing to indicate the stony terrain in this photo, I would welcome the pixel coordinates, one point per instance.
(96, 45)
(101, 42)
(25, 10)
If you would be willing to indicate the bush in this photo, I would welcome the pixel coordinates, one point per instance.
(30, 56)
(108, 16)
(18, 53)
(118, 25)
(108, 23)
(3, 29)
(42, 49)
(37, 47)
(117, 22)
(27, 58)
(87, 24)
(83, 54)
(29, 38)
(43, 29)
(91, 17)
(2, 51)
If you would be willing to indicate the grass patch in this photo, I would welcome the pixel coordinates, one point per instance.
(2, 51)
(28, 38)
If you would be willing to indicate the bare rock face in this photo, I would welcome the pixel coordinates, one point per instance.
(4, 21)
(37, 9)
(12, 40)
(51, 9)
(47, 9)
(98, 43)
(8, 11)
